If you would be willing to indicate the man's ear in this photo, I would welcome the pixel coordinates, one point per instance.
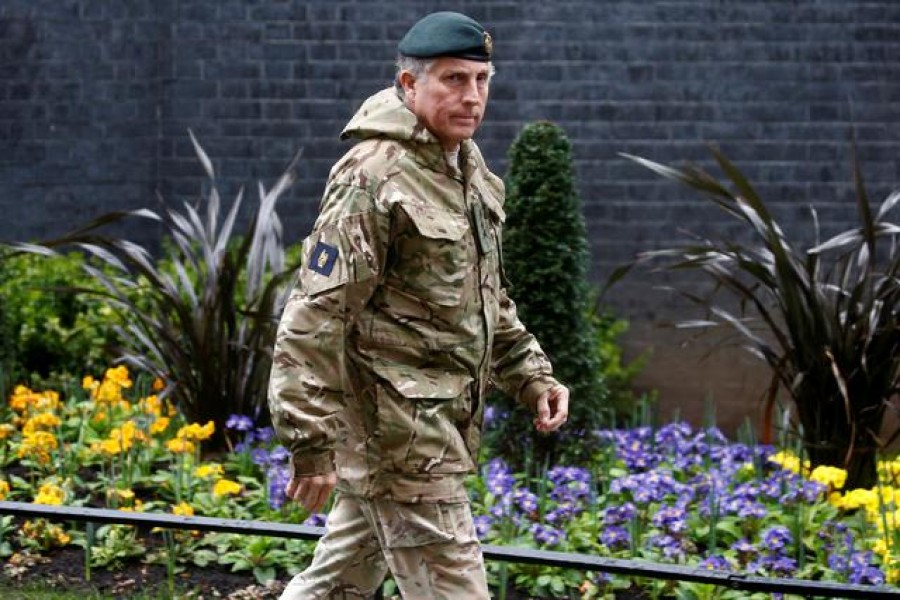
(408, 83)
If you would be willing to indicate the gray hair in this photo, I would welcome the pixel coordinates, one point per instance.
(419, 67)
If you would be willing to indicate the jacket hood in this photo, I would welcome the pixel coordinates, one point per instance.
(385, 115)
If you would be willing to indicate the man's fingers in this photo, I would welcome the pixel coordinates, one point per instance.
(543, 407)
(324, 492)
(555, 405)
(292, 488)
(311, 492)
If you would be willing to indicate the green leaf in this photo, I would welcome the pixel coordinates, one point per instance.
(264, 574)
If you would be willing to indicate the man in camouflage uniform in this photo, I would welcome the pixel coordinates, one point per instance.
(398, 326)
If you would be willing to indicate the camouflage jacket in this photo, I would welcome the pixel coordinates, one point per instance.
(399, 321)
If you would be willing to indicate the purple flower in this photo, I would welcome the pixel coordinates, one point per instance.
(672, 435)
(570, 483)
(802, 491)
(482, 526)
(669, 545)
(615, 515)
(260, 457)
(615, 538)
(862, 571)
(316, 519)
(499, 479)
(563, 512)
(745, 551)
(564, 475)
(265, 435)
(546, 535)
(783, 565)
(652, 486)
(526, 500)
(670, 519)
(839, 562)
(239, 423)
(277, 479)
(775, 538)
(743, 502)
(716, 563)
(279, 454)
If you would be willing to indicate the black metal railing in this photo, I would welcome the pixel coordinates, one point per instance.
(568, 560)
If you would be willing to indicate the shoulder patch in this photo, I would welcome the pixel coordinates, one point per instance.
(322, 258)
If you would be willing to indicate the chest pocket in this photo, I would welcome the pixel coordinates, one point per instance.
(435, 255)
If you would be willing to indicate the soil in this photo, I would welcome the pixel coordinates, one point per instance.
(64, 569)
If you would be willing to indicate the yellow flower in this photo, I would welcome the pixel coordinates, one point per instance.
(184, 509)
(126, 495)
(45, 533)
(789, 461)
(25, 399)
(225, 487)
(6, 430)
(118, 375)
(44, 421)
(196, 432)
(89, 383)
(152, 405)
(136, 506)
(832, 477)
(180, 446)
(209, 471)
(109, 446)
(109, 392)
(50, 493)
(4, 489)
(38, 446)
(159, 425)
(127, 435)
(158, 385)
(857, 498)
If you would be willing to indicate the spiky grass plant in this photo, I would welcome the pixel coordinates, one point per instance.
(826, 319)
(201, 317)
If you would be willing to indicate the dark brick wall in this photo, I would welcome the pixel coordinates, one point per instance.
(96, 97)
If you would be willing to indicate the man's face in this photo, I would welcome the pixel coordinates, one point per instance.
(450, 99)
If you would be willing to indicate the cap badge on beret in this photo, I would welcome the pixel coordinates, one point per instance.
(447, 34)
(488, 43)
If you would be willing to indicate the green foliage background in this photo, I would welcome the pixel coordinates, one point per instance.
(546, 259)
(45, 330)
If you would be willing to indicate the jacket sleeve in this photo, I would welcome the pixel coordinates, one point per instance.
(520, 367)
(343, 259)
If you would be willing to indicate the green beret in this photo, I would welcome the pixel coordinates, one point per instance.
(447, 34)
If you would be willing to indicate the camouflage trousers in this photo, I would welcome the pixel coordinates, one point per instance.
(431, 550)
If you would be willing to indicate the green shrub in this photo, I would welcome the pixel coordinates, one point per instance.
(46, 329)
(546, 258)
(616, 372)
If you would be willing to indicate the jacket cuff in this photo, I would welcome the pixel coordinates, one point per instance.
(306, 465)
(533, 390)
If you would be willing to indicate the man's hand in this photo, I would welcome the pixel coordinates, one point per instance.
(552, 409)
(311, 492)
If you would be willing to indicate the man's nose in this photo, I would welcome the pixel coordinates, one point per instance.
(470, 93)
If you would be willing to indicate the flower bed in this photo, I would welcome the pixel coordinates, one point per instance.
(672, 495)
